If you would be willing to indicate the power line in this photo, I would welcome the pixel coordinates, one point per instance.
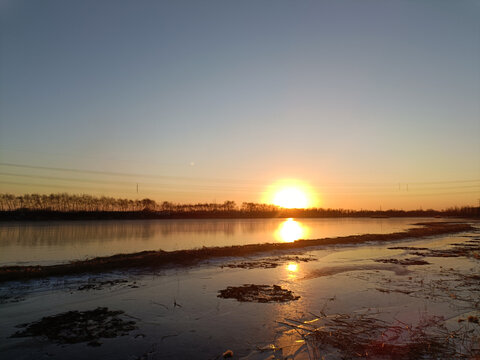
(65, 187)
(346, 184)
(165, 186)
(66, 179)
(80, 170)
(121, 183)
(190, 190)
(109, 189)
(111, 173)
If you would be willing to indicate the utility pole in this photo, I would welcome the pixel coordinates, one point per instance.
(137, 188)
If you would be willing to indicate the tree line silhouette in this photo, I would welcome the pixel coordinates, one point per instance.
(63, 205)
(65, 202)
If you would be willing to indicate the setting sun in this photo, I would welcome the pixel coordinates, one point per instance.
(290, 194)
(291, 197)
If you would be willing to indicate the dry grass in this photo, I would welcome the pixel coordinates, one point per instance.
(365, 336)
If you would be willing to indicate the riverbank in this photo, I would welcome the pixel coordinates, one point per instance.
(162, 259)
(315, 213)
(416, 297)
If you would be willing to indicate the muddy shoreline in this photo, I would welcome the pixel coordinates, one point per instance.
(377, 301)
(158, 259)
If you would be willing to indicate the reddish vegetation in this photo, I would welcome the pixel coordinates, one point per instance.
(150, 259)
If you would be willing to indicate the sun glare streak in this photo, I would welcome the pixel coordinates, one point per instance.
(290, 230)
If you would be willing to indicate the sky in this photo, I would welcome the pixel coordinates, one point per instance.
(371, 104)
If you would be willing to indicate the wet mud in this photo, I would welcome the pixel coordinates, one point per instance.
(407, 248)
(333, 270)
(268, 263)
(7, 299)
(78, 326)
(404, 262)
(258, 293)
(469, 248)
(96, 284)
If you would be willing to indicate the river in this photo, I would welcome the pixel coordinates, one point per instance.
(53, 242)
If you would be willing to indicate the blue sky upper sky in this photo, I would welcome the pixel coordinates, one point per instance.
(217, 100)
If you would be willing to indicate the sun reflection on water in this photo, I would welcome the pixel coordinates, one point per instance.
(292, 267)
(292, 270)
(291, 230)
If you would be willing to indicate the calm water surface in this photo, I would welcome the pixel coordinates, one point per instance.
(55, 242)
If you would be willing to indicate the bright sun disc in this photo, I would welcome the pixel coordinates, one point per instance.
(291, 197)
(291, 194)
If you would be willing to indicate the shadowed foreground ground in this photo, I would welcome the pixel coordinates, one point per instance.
(156, 259)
